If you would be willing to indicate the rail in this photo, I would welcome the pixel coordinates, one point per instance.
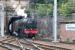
(25, 43)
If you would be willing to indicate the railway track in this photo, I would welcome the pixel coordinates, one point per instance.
(6, 43)
(46, 47)
(13, 43)
(4, 48)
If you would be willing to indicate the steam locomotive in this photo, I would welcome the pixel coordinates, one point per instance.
(22, 27)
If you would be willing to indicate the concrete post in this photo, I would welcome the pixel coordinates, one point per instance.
(55, 21)
(2, 19)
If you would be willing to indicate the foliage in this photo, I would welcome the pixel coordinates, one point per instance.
(62, 1)
(71, 4)
(44, 9)
(41, 9)
(66, 7)
(42, 1)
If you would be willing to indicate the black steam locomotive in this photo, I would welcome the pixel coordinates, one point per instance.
(22, 27)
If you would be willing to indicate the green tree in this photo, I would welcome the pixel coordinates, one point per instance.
(42, 1)
(44, 9)
(71, 5)
(66, 7)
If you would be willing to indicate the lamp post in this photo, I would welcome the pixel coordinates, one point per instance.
(55, 21)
